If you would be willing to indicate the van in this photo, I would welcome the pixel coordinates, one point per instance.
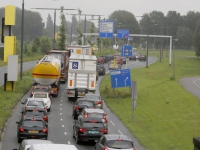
(52, 147)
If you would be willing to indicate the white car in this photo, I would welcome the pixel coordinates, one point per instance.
(45, 97)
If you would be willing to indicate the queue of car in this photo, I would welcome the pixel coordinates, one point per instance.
(90, 121)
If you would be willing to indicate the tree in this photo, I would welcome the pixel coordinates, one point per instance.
(185, 37)
(91, 38)
(45, 44)
(36, 45)
(50, 27)
(80, 35)
(62, 31)
(196, 40)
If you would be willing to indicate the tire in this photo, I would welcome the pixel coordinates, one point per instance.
(77, 140)
(49, 109)
(73, 134)
(75, 117)
(19, 140)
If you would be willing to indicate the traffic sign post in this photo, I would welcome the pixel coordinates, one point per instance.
(122, 33)
(106, 29)
(120, 78)
(126, 51)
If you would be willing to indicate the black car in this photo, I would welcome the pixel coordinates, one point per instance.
(115, 142)
(133, 58)
(142, 58)
(79, 105)
(101, 70)
(36, 111)
(109, 58)
(32, 128)
(88, 129)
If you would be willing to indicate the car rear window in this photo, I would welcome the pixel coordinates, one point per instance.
(40, 95)
(119, 144)
(33, 113)
(35, 103)
(92, 124)
(40, 89)
(32, 123)
(87, 103)
(95, 114)
(92, 97)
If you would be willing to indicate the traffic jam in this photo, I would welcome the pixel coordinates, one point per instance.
(79, 72)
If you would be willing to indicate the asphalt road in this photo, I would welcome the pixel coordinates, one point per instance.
(60, 118)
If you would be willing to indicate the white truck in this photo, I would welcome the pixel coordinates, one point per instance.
(81, 49)
(81, 75)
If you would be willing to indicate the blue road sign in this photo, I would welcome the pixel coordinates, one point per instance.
(126, 51)
(75, 65)
(120, 78)
(122, 33)
(106, 29)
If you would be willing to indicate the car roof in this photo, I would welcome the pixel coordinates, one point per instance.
(94, 110)
(52, 147)
(117, 136)
(36, 141)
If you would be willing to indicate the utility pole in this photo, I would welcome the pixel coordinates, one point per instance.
(54, 38)
(22, 40)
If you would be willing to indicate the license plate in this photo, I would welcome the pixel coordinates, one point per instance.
(81, 94)
(93, 132)
(33, 131)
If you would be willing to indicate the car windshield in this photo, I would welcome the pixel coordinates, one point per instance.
(32, 123)
(87, 103)
(95, 115)
(99, 67)
(40, 89)
(119, 144)
(35, 103)
(92, 124)
(40, 95)
(92, 97)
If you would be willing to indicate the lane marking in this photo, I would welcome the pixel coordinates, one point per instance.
(61, 100)
(60, 113)
(68, 142)
(60, 104)
(65, 133)
(61, 119)
(62, 125)
(60, 108)
(61, 97)
(196, 83)
(120, 132)
(112, 123)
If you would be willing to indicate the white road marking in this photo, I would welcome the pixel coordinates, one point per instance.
(68, 142)
(61, 97)
(60, 108)
(60, 113)
(61, 119)
(61, 100)
(65, 133)
(61, 104)
(120, 132)
(196, 83)
(62, 125)
(112, 123)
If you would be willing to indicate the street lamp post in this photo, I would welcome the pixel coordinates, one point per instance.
(22, 39)
(54, 30)
(174, 73)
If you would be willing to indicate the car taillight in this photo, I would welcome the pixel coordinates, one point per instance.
(134, 149)
(86, 115)
(82, 130)
(105, 149)
(45, 118)
(76, 108)
(69, 92)
(104, 130)
(21, 129)
(98, 102)
(44, 130)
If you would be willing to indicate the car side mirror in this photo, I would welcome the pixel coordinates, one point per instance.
(21, 112)
(17, 122)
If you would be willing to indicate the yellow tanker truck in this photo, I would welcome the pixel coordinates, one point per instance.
(47, 72)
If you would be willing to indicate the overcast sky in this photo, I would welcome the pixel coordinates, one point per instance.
(106, 7)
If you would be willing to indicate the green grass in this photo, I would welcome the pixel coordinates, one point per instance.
(25, 59)
(10, 98)
(167, 115)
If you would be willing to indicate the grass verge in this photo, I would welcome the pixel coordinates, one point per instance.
(10, 98)
(167, 115)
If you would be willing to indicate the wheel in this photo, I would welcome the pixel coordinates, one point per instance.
(49, 109)
(73, 134)
(75, 117)
(19, 140)
(77, 140)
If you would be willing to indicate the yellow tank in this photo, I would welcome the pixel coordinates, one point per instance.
(47, 71)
